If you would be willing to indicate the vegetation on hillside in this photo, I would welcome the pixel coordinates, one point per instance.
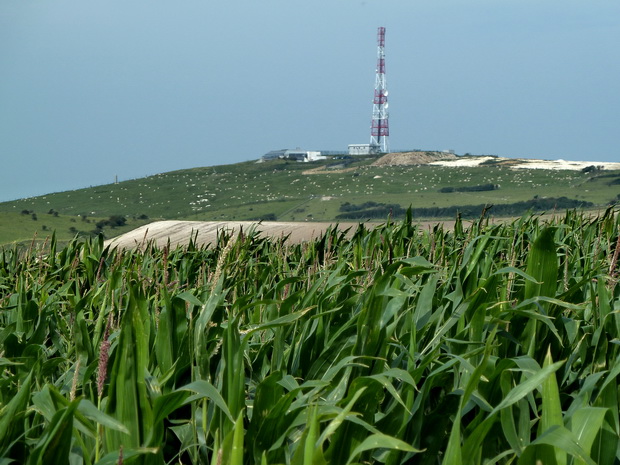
(291, 191)
(24, 227)
(479, 188)
(486, 344)
(374, 210)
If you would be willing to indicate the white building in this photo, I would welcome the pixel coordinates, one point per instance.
(297, 154)
(363, 149)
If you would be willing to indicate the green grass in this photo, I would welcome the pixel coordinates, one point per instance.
(18, 228)
(278, 188)
(493, 343)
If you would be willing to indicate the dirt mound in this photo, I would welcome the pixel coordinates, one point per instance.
(413, 158)
(206, 232)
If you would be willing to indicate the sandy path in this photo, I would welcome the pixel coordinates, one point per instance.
(205, 232)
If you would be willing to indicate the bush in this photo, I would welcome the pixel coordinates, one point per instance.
(381, 211)
(480, 188)
(113, 222)
(369, 210)
(266, 217)
(591, 169)
(117, 220)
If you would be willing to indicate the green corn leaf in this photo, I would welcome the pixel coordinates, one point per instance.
(509, 427)
(527, 386)
(559, 438)
(189, 298)
(517, 271)
(542, 266)
(586, 423)
(164, 338)
(129, 455)
(336, 422)
(277, 422)
(424, 306)
(268, 393)
(551, 407)
(10, 427)
(43, 402)
(7, 362)
(381, 441)
(55, 442)
(612, 375)
(385, 382)
(236, 456)
(605, 445)
(88, 409)
(453, 449)
(283, 320)
(234, 370)
(313, 455)
(541, 299)
(204, 389)
(128, 400)
(163, 406)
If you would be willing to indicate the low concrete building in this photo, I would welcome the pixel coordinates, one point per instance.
(363, 149)
(296, 154)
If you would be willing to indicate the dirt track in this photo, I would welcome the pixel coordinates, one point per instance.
(205, 232)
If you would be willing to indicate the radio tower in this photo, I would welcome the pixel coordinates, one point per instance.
(380, 128)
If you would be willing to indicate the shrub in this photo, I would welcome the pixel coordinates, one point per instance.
(369, 210)
(113, 222)
(591, 169)
(265, 217)
(117, 220)
(381, 211)
(480, 188)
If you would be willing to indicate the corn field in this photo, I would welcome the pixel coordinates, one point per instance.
(488, 344)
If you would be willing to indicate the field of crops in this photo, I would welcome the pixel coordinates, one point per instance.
(486, 344)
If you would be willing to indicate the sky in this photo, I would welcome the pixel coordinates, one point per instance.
(91, 91)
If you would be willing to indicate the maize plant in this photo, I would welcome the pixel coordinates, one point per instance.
(485, 344)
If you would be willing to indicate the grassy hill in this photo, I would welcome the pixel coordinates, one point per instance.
(23, 228)
(291, 191)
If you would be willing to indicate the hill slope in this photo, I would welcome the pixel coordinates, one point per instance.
(323, 191)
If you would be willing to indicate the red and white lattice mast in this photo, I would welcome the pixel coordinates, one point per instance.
(380, 128)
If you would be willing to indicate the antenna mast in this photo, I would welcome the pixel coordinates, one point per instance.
(380, 128)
